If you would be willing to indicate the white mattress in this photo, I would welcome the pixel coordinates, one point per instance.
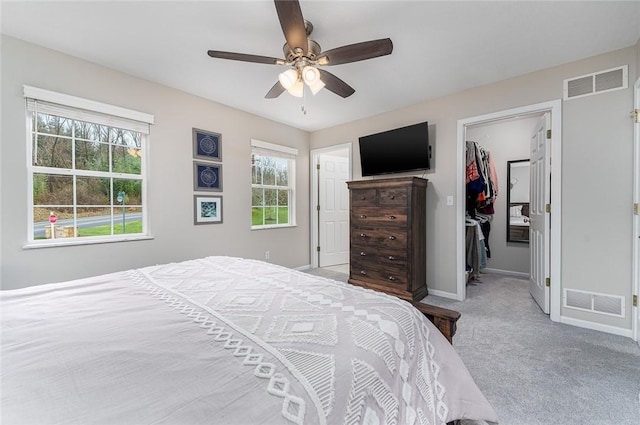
(223, 340)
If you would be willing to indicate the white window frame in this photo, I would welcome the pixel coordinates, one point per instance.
(262, 148)
(91, 111)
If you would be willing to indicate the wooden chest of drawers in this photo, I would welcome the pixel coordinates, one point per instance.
(388, 236)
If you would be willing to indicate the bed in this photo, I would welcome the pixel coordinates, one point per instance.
(225, 340)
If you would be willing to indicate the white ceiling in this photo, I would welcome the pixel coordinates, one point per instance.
(439, 47)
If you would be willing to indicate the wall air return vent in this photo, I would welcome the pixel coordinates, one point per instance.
(596, 83)
(611, 305)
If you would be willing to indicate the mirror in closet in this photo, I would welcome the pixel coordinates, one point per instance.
(518, 201)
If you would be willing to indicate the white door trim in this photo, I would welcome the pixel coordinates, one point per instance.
(555, 107)
(314, 155)
(636, 218)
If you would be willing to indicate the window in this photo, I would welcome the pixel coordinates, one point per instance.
(87, 170)
(272, 185)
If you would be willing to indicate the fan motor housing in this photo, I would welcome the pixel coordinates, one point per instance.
(313, 50)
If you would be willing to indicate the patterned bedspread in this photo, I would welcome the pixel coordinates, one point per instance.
(225, 340)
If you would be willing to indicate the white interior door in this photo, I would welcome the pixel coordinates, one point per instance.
(539, 225)
(333, 200)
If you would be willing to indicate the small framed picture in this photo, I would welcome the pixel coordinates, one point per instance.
(207, 176)
(207, 145)
(207, 209)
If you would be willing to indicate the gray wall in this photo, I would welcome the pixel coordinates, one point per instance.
(637, 56)
(507, 141)
(170, 200)
(596, 173)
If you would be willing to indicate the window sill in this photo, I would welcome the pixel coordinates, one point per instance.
(83, 241)
(278, 226)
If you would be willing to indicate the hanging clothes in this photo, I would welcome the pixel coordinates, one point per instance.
(485, 225)
(482, 191)
(481, 179)
(476, 251)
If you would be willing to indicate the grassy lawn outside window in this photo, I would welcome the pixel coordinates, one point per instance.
(272, 187)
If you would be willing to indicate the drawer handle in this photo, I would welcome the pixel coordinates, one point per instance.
(392, 217)
(362, 198)
(363, 216)
(363, 235)
(363, 254)
(393, 196)
(391, 257)
(391, 238)
(391, 278)
(362, 272)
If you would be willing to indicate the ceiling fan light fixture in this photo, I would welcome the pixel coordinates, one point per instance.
(310, 75)
(304, 55)
(288, 78)
(316, 86)
(297, 89)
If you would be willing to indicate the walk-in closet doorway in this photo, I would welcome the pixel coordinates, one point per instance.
(508, 136)
(506, 142)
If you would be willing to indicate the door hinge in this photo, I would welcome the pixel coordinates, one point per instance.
(318, 248)
(548, 134)
(317, 207)
(636, 115)
(635, 301)
(547, 282)
(317, 166)
(636, 209)
(548, 208)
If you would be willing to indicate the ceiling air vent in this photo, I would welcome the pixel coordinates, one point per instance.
(612, 305)
(598, 82)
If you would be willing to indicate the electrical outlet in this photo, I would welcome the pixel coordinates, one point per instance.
(449, 200)
(267, 255)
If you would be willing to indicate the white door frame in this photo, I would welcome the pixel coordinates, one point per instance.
(636, 217)
(555, 108)
(314, 157)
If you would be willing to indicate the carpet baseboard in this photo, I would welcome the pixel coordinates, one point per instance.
(444, 294)
(506, 272)
(597, 326)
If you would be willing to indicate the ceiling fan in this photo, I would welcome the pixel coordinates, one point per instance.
(303, 55)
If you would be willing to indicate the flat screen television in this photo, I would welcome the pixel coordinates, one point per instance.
(396, 151)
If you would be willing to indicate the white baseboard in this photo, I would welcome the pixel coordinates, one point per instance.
(507, 272)
(596, 326)
(443, 294)
(303, 268)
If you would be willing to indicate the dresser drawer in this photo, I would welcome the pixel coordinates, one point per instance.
(388, 275)
(377, 256)
(363, 198)
(375, 216)
(388, 238)
(393, 196)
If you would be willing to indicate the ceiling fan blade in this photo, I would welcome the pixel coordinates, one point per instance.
(275, 91)
(335, 84)
(292, 23)
(244, 57)
(356, 52)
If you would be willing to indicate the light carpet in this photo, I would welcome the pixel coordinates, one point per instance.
(535, 371)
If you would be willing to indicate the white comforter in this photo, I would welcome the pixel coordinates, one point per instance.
(224, 340)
